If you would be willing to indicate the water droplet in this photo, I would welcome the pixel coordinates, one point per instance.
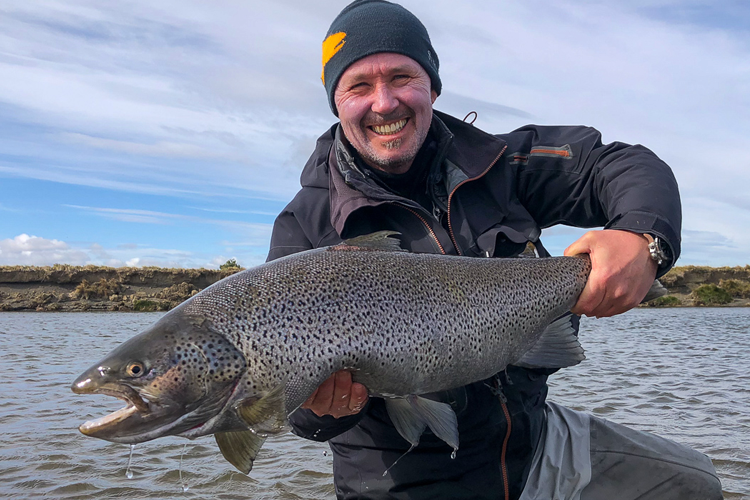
(128, 472)
(453, 455)
(325, 453)
(185, 487)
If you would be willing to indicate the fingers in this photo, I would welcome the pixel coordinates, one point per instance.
(621, 272)
(338, 396)
(591, 298)
(358, 398)
(581, 245)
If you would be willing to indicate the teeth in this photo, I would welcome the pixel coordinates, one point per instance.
(389, 129)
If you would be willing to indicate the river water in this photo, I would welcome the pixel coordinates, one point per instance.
(681, 373)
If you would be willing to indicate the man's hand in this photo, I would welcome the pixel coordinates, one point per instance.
(338, 396)
(622, 271)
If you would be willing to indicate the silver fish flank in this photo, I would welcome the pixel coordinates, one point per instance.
(236, 359)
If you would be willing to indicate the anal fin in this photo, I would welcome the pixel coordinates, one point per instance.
(407, 421)
(411, 415)
(240, 448)
(439, 417)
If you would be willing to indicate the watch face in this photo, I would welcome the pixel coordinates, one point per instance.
(659, 251)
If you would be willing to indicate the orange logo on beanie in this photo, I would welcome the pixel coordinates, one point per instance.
(331, 45)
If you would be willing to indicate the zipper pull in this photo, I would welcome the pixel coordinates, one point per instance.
(436, 212)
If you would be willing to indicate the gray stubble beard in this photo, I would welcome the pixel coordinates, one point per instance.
(388, 165)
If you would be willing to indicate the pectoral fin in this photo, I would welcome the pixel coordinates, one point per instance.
(240, 448)
(557, 347)
(266, 413)
(411, 415)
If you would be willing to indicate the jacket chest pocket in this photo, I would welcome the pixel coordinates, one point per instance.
(500, 241)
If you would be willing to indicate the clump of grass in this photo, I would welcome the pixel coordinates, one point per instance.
(711, 295)
(146, 305)
(736, 288)
(42, 299)
(101, 289)
(230, 265)
(178, 292)
(666, 301)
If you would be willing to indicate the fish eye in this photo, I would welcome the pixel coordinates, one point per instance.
(135, 369)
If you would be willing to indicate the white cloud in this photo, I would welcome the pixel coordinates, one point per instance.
(187, 98)
(38, 251)
(35, 251)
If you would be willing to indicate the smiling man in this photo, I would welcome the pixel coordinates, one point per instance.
(384, 102)
(393, 163)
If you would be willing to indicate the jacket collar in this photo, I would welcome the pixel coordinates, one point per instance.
(472, 150)
(468, 150)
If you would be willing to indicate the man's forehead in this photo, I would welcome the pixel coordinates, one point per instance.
(382, 63)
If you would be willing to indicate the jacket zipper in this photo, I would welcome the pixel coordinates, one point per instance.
(432, 233)
(450, 197)
(503, 466)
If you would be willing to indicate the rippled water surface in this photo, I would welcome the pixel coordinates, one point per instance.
(682, 373)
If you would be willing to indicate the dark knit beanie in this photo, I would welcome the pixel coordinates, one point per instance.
(367, 27)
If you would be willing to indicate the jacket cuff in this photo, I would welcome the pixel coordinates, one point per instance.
(644, 222)
(308, 425)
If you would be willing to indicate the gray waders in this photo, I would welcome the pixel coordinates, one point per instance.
(583, 457)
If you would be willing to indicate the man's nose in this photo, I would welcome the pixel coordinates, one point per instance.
(384, 101)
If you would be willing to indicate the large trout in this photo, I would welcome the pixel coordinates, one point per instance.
(238, 358)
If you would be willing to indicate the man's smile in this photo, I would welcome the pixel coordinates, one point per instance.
(389, 128)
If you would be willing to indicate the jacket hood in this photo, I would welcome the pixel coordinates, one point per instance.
(315, 172)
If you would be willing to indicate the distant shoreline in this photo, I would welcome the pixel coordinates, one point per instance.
(97, 288)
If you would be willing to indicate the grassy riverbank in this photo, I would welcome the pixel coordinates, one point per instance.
(691, 286)
(96, 288)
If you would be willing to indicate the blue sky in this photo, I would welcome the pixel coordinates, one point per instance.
(171, 133)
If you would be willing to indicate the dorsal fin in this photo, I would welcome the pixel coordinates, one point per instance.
(381, 240)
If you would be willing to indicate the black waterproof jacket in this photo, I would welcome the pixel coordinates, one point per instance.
(491, 195)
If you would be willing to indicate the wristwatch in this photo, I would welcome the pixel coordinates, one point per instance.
(659, 250)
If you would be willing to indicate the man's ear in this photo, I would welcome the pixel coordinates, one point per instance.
(433, 95)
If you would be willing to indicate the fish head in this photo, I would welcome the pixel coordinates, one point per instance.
(177, 378)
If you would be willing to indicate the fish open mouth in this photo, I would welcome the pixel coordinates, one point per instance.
(135, 404)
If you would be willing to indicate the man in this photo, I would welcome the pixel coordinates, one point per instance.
(394, 163)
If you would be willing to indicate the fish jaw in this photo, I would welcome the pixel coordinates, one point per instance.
(181, 386)
(142, 419)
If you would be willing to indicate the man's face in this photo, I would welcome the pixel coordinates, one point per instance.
(385, 107)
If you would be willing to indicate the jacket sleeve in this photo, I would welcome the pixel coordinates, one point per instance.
(308, 425)
(288, 238)
(567, 176)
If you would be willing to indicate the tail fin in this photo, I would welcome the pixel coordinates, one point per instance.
(657, 290)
